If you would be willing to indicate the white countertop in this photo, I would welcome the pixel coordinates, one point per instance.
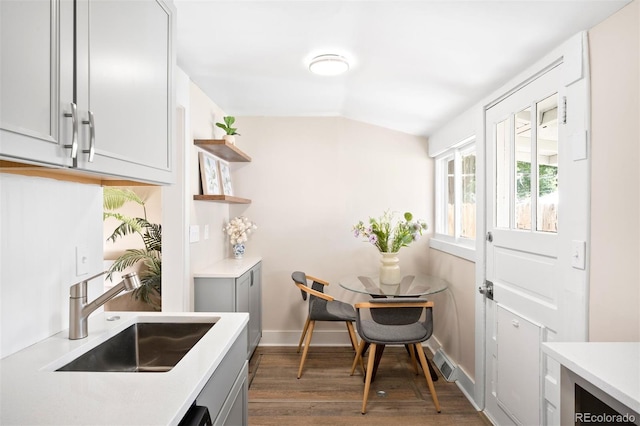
(33, 393)
(614, 367)
(228, 268)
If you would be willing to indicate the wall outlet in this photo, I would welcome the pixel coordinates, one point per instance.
(194, 233)
(206, 232)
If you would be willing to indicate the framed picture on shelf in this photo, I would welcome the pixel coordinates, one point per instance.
(225, 178)
(209, 174)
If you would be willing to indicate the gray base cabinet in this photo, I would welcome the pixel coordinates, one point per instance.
(234, 294)
(226, 392)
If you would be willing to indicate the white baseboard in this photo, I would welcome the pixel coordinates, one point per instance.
(463, 381)
(467, 386)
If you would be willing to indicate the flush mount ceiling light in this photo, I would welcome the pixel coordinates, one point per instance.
(328, 65)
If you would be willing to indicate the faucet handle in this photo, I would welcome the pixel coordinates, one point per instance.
(79, 289)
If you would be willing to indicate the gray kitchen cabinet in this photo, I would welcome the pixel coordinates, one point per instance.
(241, 293)
(36, 80)
(101, 103)
(255, 308)
(226, 391)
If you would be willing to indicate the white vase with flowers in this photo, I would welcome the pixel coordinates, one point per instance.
(389, 235)
(239, 229)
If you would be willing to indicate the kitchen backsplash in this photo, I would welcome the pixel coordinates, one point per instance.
(42, 223)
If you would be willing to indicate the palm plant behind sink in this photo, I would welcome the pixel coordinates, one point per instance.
(151, 235)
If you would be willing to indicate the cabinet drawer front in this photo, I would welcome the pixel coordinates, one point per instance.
(215, 295)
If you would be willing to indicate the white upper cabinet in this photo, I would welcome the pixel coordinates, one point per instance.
(124, 74)
(36, 47)
(120, 86)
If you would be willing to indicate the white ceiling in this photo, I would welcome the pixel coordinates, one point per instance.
(414, 64)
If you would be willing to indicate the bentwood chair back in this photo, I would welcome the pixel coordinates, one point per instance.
(395, 321)
(322, 307)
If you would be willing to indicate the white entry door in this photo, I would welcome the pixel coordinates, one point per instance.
(524, 183)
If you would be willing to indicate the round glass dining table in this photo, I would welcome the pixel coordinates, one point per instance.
(410, 286)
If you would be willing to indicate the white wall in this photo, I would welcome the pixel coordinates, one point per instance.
(204, 114)
(42, 221)
(310, 181)
(615, 195)
(176, 200)
(455, 324)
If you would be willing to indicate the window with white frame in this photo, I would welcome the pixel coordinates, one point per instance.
(456, 194)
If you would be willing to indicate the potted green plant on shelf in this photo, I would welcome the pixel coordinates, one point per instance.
(148, 258)
(231, 131)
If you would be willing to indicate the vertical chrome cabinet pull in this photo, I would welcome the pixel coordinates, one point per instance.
(92, 137)
(74, 125)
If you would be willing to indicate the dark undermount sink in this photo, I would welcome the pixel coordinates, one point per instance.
(142, 347)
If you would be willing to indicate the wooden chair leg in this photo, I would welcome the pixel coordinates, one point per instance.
(304, 332)
(354, 343)
(412, 352)
(367, 383)
(306, 347)
(427, 375)
(358, 358)
(361, 360)
(352, 335)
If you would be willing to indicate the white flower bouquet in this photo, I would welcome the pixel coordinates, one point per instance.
(239, 229)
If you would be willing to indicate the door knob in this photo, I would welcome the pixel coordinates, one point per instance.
(486, 289)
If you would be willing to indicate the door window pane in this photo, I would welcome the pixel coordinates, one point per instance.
(523, 169)
(451, 199)
(547, 154)
(468, 208)
(503, 160)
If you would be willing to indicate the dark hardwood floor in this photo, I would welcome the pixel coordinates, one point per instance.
(327, 395)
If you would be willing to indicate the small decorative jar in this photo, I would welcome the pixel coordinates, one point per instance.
(238, 251)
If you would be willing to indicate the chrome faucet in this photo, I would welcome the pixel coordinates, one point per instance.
(79, 309)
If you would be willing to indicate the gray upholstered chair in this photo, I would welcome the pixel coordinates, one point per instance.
(394, 321)
(322, 307)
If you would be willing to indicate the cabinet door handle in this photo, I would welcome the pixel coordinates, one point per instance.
(92, 137)
(74, 132)
(251, 285)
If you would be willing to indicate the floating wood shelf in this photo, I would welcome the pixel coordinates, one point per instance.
(222, 199)
(222, 149)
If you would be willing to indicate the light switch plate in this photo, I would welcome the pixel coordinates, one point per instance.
(194, 233)
(578, 253)
(206, 232)
(82, 260)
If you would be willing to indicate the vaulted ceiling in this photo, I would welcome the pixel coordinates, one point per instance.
(414, 65)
